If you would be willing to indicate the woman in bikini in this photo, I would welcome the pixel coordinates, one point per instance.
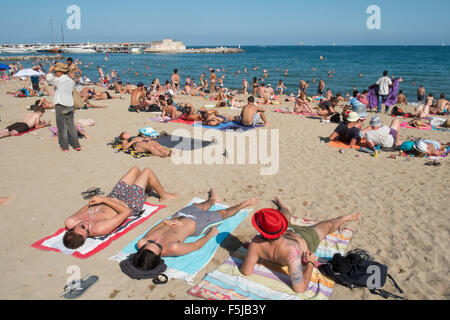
(142, 144)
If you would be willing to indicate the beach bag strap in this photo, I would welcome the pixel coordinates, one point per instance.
(395, 284)
(385, 294)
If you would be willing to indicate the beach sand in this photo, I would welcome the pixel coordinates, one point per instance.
(404, 204)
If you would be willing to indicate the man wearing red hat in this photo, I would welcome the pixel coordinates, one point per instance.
(291, 246)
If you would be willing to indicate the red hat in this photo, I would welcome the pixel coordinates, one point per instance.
(270, 223)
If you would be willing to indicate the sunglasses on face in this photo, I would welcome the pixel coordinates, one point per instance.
(157, 244)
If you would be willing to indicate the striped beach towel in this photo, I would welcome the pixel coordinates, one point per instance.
(270, 281)
(186, 267)
(94, 245)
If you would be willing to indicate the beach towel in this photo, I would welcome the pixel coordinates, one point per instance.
(231, 125)
(295, 113)
(407, 125)
(186, 267)
(270, 281)
(391, 99)
(181, 143)
(95, 245)
(342, 145)
(26, 132)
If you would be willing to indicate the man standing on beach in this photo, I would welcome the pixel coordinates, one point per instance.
(213, 78)
(102, 76)
(64, 106)
(384, 83)
(74, 72)
(176, 82)
(321, 87)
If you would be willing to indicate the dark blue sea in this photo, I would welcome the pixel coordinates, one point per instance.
(417, 65)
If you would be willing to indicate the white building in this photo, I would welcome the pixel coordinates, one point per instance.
(167, 45)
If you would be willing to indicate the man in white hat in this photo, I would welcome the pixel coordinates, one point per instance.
(378, 135)
(430, 148)
(349, 132)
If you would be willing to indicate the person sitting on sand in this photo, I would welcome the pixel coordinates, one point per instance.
(44, 103)
(171, 111)
(429, 148)
(378, 135)
(327, 108)
(423, 111)
(442, 107)
(167, 238)
(251, 114)
(144, 144)
(349, 132)
(104, 214)
(138, 98)
(289, 245)
(401, 98)
(355, 105)
(32, 120)
(302, 104)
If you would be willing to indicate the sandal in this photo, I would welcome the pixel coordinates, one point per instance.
(72, 291)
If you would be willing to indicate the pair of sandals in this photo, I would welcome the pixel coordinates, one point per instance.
(92, 192)
(433, 163)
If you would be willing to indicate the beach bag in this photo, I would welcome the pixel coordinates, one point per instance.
(149, 132)
(357, 270)
(407, 146)
(77, 102)
(396, 111)
(335, 118)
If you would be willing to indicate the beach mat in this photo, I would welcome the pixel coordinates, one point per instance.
(186, 267)
(95, 245)
(341, 145)
(270, 281)
(182, 143)
(232, 125)
(26, 132)
(406, 125)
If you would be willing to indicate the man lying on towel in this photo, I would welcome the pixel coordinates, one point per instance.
(167, 238)
(104, 214)
(32, 120)
(286, 245)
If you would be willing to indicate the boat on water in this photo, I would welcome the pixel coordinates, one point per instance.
(19, 49)
(136, 50)
(87, 48)
(48, 48)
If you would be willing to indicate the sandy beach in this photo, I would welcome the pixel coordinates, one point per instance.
(404, 204)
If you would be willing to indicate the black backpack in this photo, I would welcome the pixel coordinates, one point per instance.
(355, 270)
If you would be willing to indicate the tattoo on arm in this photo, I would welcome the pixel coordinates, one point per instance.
(296, 266)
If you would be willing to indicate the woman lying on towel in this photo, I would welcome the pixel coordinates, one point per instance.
(143, 144)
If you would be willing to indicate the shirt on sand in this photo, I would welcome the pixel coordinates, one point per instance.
(384, 84)
(346, 134)
(381, 137)
(64, 88)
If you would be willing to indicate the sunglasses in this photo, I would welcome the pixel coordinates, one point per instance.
(155, 243)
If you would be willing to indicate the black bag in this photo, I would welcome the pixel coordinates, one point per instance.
(353, 271)
(335, 118)
(396, 112)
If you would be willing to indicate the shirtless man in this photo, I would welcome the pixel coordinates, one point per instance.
(101, 75)
(286, 245)
(401, 98)
(252, 114)
(167, 238)
(104, 214)
(74, 72)
(143, 144)
(104, 96)
(138, 97)
(176, 82)
(443, 106)
(213, 79)
(32, 120)
(171, 111)
(421, 95)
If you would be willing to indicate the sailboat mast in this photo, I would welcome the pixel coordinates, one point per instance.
(62, 35)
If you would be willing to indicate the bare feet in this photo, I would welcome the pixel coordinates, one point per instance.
(6, 200)
(351, 217)
(281, 205)
(168, 196)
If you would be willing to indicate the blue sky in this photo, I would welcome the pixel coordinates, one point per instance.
(231, 22)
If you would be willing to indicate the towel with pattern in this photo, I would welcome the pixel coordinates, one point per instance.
(270, 281)
(94, 245)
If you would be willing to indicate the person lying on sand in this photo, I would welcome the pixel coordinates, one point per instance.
(144, 144)
(288, 245)
(213, 119)
(378, 135)
(171, 111)
(191, 114)
(167, 238)
(32, 120)
(44, 103)
(429, 148)
(349, 132)
(251, 114)
(104, 214)
(302, 104)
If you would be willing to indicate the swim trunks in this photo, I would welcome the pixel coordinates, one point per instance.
(204, 220)
(309, 234)
(134, 196)
(20, 127)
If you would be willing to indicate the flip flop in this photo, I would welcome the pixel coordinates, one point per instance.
(72, 292)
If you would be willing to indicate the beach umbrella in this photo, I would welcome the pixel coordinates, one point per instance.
(27, 73)
(4, 67)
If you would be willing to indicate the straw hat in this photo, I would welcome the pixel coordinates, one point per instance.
(61, 67)
(271, 223)
(353, 117)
